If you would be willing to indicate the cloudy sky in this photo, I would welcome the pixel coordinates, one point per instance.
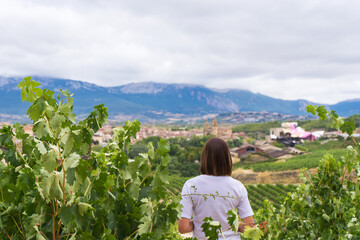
(304, 49)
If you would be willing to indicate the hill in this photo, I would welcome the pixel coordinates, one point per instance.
(151, 101)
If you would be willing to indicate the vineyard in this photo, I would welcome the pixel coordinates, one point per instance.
(274, 193)
(310, 160)
(257, 193)
(53, 186)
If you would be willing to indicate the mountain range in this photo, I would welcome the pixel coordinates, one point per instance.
(150, 100)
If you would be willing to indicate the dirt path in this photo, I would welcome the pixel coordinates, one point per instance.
(248, 176)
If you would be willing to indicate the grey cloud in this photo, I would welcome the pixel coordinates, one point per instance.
(289, 49)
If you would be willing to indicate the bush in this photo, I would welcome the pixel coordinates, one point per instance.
(279, 145)
(326, 206)
(301, 148)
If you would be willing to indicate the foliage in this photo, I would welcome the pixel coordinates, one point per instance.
(137, 149)
(96, 148)
(354, 118)
(279, 145)
(213, 229)
(310, 125)
(185, 155)
(256, 130)
(301, 148)
(52, 186)
(326, 206)
(338, 143)
(232, 143)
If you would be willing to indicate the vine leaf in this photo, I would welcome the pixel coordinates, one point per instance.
(50, 161)
(83, 208)
(253, 233)
(72, 161)
(211, 228)
(234, 220)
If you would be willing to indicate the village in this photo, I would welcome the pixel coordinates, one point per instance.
(288, 135)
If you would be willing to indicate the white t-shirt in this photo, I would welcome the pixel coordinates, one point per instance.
(197, 207)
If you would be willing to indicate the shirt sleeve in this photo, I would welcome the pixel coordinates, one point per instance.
(186, 202)
(244, 207)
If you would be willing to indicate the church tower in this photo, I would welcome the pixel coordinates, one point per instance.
(206, 129)
(214, 127)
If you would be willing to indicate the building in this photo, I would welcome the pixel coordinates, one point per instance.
(290, 134)
(246, 149)
(221, 132)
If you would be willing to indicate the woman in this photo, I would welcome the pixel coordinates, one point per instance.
(215, 178)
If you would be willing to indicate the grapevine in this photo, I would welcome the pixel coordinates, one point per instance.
(52, 186)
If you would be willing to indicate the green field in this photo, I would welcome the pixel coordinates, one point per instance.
(310, 160)
(316, 150)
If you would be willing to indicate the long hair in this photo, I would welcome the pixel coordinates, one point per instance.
(215, 158)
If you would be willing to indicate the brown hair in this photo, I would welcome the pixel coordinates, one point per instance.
(215, 158)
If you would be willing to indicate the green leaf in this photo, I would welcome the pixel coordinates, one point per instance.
(29, 90)
(20, 132)
(40, 146)
(26, 180)
(151, 151)
(41, 129)
(326, 217)
(134, 189)
(146, 219)
(211, 228)
(83, 208)
(163, 147)
(253, 233)
(10, 157)
(73, 237)
(233, 220)
(68, 141)
(6, 137)
(50, 160)
(322, 112)
(165, 160)
(144, 227)
(311, 109)
(72, 161)
(97, 117)
(56, 122)
(36, 110)
(83, 169)
(144, 155)
(348, 127)
(50, 186)
(39, 236)
(66, 214)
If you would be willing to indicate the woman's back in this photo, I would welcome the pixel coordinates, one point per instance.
(213, 196)
(214, 193)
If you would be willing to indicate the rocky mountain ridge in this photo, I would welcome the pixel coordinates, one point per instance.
(154, 101)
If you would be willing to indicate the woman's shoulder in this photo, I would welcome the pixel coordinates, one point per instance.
(193, 180)
(235, 181)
